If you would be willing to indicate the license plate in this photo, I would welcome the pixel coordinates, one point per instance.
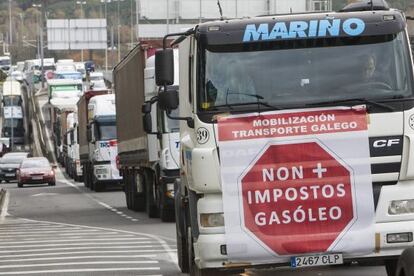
(9, 174)
(316, 260)
(37, 177)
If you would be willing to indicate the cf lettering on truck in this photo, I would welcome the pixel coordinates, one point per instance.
(295, 133)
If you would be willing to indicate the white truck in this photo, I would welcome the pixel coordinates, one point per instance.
(63, 97)
(98, 147)
(296, 137)
(149, 144)
(73, 165)
(12, 93)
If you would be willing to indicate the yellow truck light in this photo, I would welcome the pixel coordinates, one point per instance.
(212, 220)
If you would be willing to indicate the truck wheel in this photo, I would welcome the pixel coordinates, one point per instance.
(138, 198)
(98, 186)
(150, 206)
(166, 214)
(125, 179)
(391, 267)
(180, 227)
(85, 176)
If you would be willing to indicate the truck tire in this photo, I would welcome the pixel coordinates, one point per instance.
(150, 206)
(181, 230)
(125, 180)
(391, 267)
(85, 175)
(98, 186)
(166, 214)
(138, 200)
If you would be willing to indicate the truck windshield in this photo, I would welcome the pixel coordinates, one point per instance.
(12, 100)
(17, 123)
(297, 73)
(107, 131)
(4, 61)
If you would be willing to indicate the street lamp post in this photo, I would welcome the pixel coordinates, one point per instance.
(10, 24)
(106, 42)
(119, 31)
(40, 31)
(81, 3)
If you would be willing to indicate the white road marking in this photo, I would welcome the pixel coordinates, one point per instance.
(65, 235)
(75, 257)
(83, 252)
(44, 194)
(85, 263)
(68, 240)
(76, 270)
(64, 180)
(78, 257)
(81, 243)
(84, 247)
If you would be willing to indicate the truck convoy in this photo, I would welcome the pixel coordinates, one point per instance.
(72, 165)
(296, 132)
(98, 140)
(63, 97)
(148, 149)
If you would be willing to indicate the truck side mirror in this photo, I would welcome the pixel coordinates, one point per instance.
(164, 67)
(96, 134)
(147, 122)
(89, 134)
(146, 108)
(168, 100)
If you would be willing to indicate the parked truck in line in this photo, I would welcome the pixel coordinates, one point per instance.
(98, 140)
(148, 146)
(12, 93)
(73, 166)
(275, 111)
(63, 97)
(13, 124)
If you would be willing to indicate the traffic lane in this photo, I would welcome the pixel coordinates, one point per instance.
(70, 202)
(322, 271)
(115, 198)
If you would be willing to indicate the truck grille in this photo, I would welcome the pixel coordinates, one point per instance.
(386, 154)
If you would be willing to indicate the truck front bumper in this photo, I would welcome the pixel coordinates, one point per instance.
(210, 246)
(210, 249)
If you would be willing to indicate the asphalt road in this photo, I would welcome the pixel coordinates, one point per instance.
(70, 230)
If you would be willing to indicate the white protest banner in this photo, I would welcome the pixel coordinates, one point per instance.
(295, 183)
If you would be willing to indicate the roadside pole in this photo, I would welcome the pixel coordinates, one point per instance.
(41, 46)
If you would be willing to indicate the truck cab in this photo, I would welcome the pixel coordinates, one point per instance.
(163, 143)
(13, 124)
(102, 138)
(73, 167)
(244, 85)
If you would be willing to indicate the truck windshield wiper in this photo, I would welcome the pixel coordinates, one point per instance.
(230, 106)
(357, 100)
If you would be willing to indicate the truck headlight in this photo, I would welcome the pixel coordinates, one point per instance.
(399, 237)
(212, 220)
(170, 190)
(398, 207)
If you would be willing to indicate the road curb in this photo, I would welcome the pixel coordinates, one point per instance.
(3, 203)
